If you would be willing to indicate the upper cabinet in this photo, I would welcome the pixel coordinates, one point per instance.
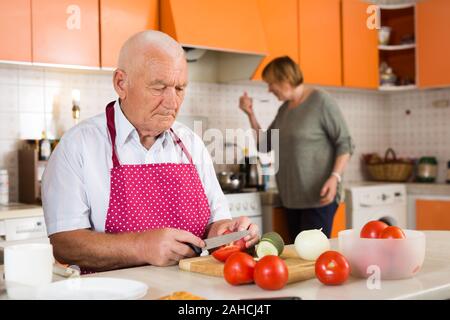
(66, 32)
(280, 24)
(119, 19)
(433, 43)
(231, 25)
(320, 41)
(15, 30)
(359, 46)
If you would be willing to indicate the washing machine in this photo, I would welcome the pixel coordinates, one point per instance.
(384, 202)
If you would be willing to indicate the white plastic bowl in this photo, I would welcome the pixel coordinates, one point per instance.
(393, 258)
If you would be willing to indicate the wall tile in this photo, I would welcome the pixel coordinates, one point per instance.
(31, 76)
(31, 99)
(34, 99)
(9, 126)
(9, 98)
(9, 75)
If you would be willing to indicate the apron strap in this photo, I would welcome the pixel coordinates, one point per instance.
(112, 131)
(178, 141)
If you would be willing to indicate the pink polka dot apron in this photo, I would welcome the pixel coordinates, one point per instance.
(153, 196)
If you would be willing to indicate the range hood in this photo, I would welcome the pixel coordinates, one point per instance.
(224, 39)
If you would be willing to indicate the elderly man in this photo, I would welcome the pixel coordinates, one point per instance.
(131, 186)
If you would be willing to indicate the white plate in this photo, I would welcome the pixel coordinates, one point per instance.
(93, 289)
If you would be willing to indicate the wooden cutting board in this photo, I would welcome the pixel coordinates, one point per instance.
(298, 269)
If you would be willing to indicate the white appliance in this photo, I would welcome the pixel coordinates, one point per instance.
(21, 222)
(387, 203)
(246, 204)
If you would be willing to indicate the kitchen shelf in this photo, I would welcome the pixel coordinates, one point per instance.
(398, 88)
(396, 6)
(397, 47)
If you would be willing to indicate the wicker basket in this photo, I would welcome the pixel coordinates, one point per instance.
(391, 170)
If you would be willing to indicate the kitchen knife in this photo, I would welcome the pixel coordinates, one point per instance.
(219, 241)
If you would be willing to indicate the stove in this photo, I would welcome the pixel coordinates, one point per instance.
(247, 203)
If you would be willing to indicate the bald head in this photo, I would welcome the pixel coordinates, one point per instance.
(150, 81)
(145, 47)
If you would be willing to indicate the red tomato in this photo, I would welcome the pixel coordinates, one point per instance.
(372, 229)
(240, 243)
(239, 269)
(271, 273)
(332, 268)
(392, 232)
(223, 253)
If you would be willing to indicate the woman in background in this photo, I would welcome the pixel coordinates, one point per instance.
(314, 148)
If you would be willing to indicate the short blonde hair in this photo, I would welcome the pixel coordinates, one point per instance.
(283, 69)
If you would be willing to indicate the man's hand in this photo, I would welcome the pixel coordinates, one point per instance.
(164, 247)
(239, 224)
(328, 192)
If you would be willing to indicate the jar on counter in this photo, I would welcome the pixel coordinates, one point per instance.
(4, 187)
(427, 169)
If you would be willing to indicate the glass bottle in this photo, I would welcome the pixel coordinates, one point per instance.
(45, 148)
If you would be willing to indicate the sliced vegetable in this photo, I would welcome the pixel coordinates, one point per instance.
(266, 248)
(240, 242)
(275, 239)
(310, 244)
(223, 253)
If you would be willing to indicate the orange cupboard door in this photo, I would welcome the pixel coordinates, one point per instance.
(339, 222)
(280, 22)
(320, 41)
(433, 43)
(432, 215)
(119, 19)
(15, 30)
(66, 32)
(359, 46)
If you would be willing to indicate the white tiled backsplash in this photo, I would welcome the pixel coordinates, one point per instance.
(32, 97)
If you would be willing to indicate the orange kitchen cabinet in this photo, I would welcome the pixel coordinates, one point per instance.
(119, 19)
(280, 23)
(66, 32)
(359, 47)
(432, 215)
(15, 30)
(224, 25)
(339, 222)
(433, 43)
(320, 41)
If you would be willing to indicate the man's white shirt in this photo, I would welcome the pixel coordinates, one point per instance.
(76, 181)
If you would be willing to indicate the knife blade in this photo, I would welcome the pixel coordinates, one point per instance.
(225, 239)
(218, 241)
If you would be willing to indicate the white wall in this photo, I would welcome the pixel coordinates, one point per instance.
(34, 99)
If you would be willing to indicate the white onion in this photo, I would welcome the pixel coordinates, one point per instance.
(310, 244)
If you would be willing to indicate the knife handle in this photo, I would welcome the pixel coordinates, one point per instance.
(196, 249)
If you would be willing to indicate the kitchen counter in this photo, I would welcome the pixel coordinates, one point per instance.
(20, 210)
(432, 282)
(272, 198)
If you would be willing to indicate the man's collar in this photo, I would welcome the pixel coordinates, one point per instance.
(124, 128)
